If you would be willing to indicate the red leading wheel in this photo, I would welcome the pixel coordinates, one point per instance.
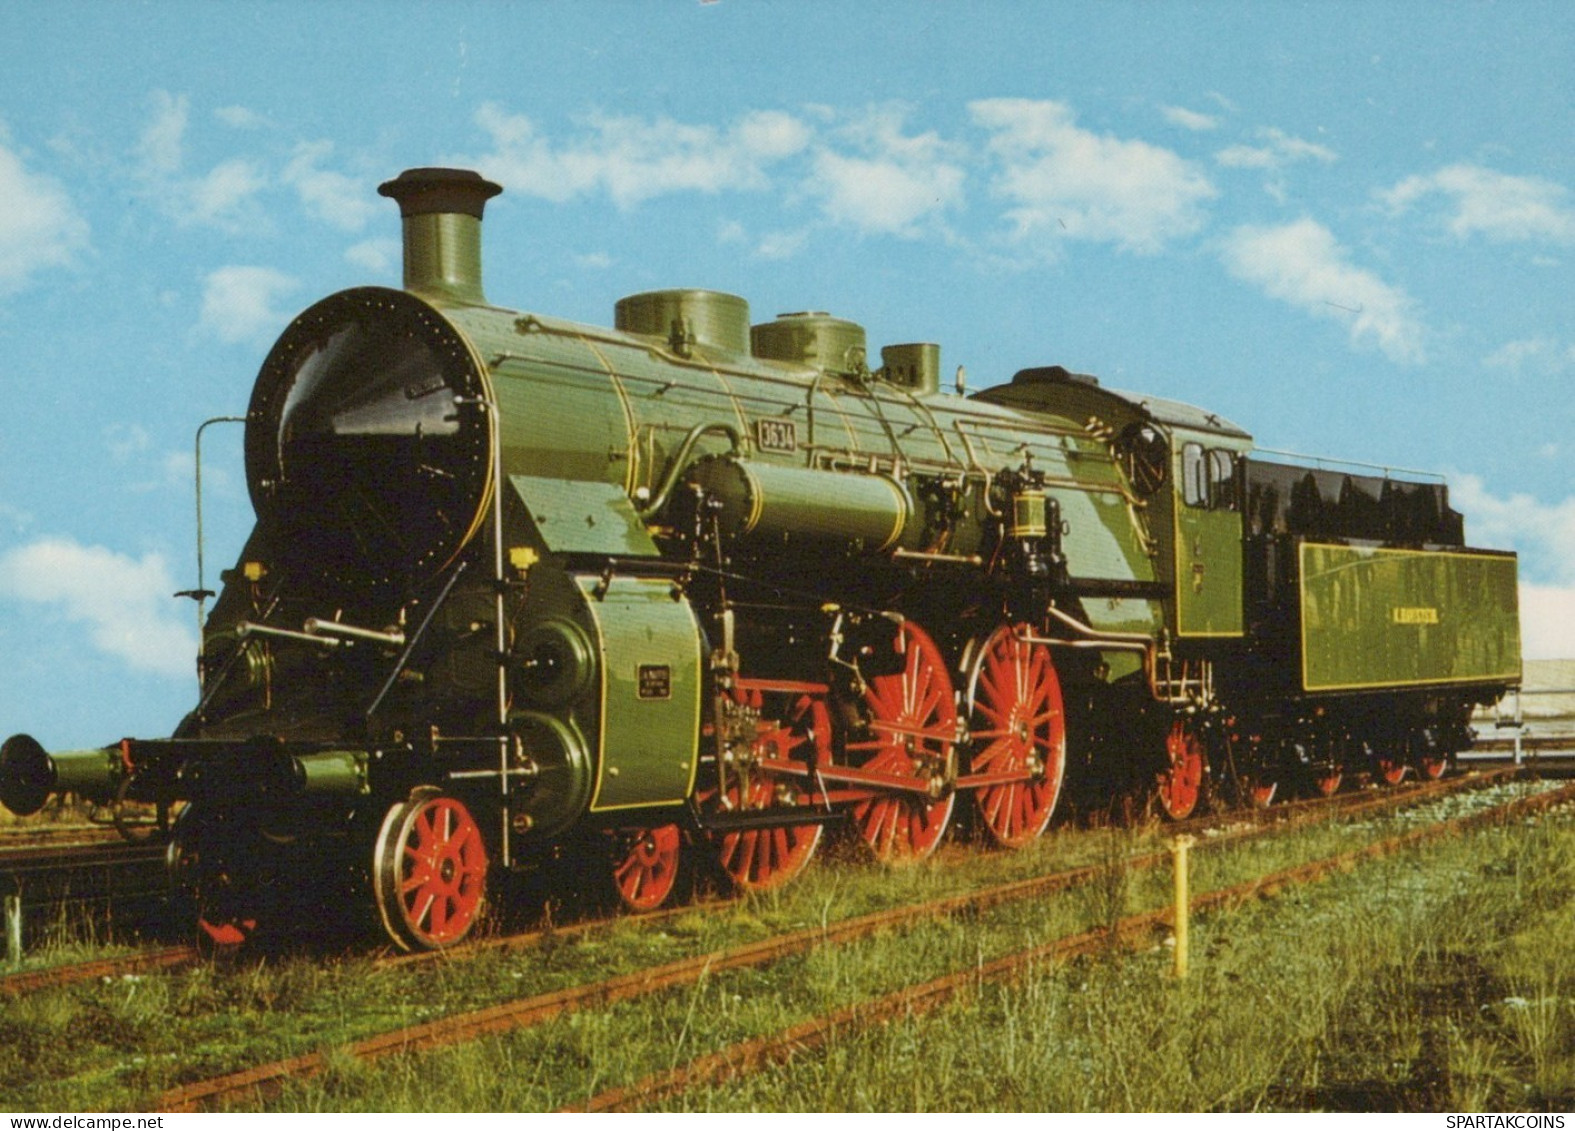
(912, 721)
(430, 871)
(791, 725)
(1389, 769)
(1017, 713)
(1180, 784)
(645, 866)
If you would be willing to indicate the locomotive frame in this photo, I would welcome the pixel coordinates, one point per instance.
(523, 588)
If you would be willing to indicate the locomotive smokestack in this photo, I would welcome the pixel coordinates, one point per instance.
(442, 210)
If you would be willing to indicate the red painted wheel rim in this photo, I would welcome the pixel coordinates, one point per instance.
(646, 871)
(1261, 794)
(911, 718)
(1392, 771)
(1180, 784)
(432, 869)
(761, 859)
(1328, 784)
(1019, 716)
(1432, 766)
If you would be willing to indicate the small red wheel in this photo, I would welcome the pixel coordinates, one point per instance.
(760, 859)
(1260, 794)
(912, 720)
(430, 871)
(1429, 757)
(1180, 784)
(1390, 770)
(1015, 701)
(1432, 764)
(1327, 781)
(645, 868)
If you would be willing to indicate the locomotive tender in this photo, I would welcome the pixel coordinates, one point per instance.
(522, 587)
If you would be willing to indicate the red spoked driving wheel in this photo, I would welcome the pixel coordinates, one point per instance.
(912, 725)
(791, 739)
(1019, 718)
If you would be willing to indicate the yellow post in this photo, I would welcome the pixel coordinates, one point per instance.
(1179, 852)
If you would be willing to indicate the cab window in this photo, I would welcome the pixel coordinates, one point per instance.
(1208, 477)
(1222, 479)
(1194, 477)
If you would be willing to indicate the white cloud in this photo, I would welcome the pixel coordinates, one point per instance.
(1068, 182)
(124, 603)
(39, 226)
(380, 256)
(891, 183)
(241, 118)
(1542, 533)
(1278, 150)
(224, 196)
(1302, 264)
(781, 245)
(239, 304)
(634, 159)
(1547, 622)
(333, 197)
(1189, 119)
(1544, 357)
(161, 147)
(1496, 205)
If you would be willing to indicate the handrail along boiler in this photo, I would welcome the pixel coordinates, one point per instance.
(520, 587)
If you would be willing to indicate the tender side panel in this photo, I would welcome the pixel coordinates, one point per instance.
(1373, 617)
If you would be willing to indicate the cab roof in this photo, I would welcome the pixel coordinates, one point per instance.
(1043, 387)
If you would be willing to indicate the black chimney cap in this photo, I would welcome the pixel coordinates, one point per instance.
(420, 191)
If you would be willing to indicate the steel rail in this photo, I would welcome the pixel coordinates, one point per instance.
(538, 1009)
(761, 1052)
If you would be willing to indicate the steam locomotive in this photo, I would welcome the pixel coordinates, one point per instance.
(520, 588)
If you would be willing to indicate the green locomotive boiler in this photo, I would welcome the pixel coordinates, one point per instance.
(521, 588)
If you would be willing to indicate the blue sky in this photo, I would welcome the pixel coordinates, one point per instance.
(1348, 227)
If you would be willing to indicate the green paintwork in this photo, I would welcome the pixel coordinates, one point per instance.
(766, 502)
(338, 773)
(1381, 618)
(1208, 572)
(687, 318)
(565, 772)
(93, 775)
(575, 517)
(650, 692)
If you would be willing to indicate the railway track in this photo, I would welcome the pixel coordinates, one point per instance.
(781, 1047)
(1235, 823)
(240, 1086)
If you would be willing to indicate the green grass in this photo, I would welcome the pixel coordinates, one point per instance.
(115, 1045)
